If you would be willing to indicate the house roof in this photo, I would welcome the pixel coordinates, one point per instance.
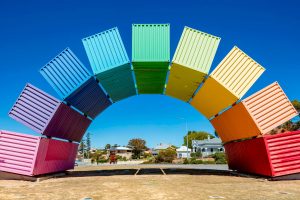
(183, 148)
(207, 142)
(162, 146)
(120, 148)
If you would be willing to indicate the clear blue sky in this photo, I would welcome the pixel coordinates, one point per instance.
(33, 32)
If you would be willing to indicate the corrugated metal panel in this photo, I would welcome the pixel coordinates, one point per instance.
(270, 107)
(255, 115)
(249, 156)
(183, 82)
(272, 155)
(212, 98)
(105, 50)
(237, 72)
(89, 98)
(118, 82)
(65, 73)
(234, 124)
(34, 108)
(284, 152)
(17, 152)
(196, 50)
(31, 155)
(46, 115)
(150, 42)
(67, 124)
(55, 156)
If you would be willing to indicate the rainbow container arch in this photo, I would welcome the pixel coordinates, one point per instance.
(243, 125)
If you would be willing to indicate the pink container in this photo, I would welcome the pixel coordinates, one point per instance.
(31, 155)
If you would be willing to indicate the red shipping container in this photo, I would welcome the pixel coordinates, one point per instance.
(31, 155)
(271, 155)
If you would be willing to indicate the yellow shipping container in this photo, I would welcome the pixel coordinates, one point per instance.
(191, 62)
(231, 79)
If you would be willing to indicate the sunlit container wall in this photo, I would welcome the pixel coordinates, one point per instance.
(31, 155)
(256, 115)
(231, 79)
(271, 155)
(192, 60)
(110, 63)
(48, 116)
(150, 56)
(67, 75)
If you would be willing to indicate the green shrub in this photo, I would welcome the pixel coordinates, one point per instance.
(197, 154)
(220, 158)
(167, 155)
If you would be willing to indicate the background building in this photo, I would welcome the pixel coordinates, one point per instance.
(208, 146)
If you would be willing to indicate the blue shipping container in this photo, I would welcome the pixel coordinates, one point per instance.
(65, 73)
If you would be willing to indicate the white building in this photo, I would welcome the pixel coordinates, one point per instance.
(122, 151)
(183, 152)
(208, 147)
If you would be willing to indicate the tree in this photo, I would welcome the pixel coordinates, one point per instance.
(194, 135)
(82, 147)
(88, 143)
(296, 104)
(107, 146)
(137, 145)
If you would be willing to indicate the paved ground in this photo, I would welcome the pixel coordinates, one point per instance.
(107, 182)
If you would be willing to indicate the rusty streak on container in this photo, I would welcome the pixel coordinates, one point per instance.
(31, 155)
(48, 116)
(256, 115)
(270, 155)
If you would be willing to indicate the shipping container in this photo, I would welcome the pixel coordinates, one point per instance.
(150, 56)
(65, 73)
(110, 63)
(212, 98)
(89, 98)
(228, 82)
(237, 72)
(105, 50)
(31, 155)
(191, 63)
(48, 116)
(270, 155)
(256, 115)
(150, 42)
(118, 82)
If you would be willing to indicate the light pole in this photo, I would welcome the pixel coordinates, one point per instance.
(187, 137)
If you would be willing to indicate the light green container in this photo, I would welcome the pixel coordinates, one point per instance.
(150, 56)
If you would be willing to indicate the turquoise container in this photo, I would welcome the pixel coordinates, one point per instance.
(110, 63)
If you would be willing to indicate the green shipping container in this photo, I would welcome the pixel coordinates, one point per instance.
(150, 56)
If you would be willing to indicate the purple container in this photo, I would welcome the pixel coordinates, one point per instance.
(48, 116)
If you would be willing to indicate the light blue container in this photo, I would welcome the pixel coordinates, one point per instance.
(110, 63)
(65, 73)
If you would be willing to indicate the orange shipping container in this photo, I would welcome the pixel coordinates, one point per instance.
(255, 115)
